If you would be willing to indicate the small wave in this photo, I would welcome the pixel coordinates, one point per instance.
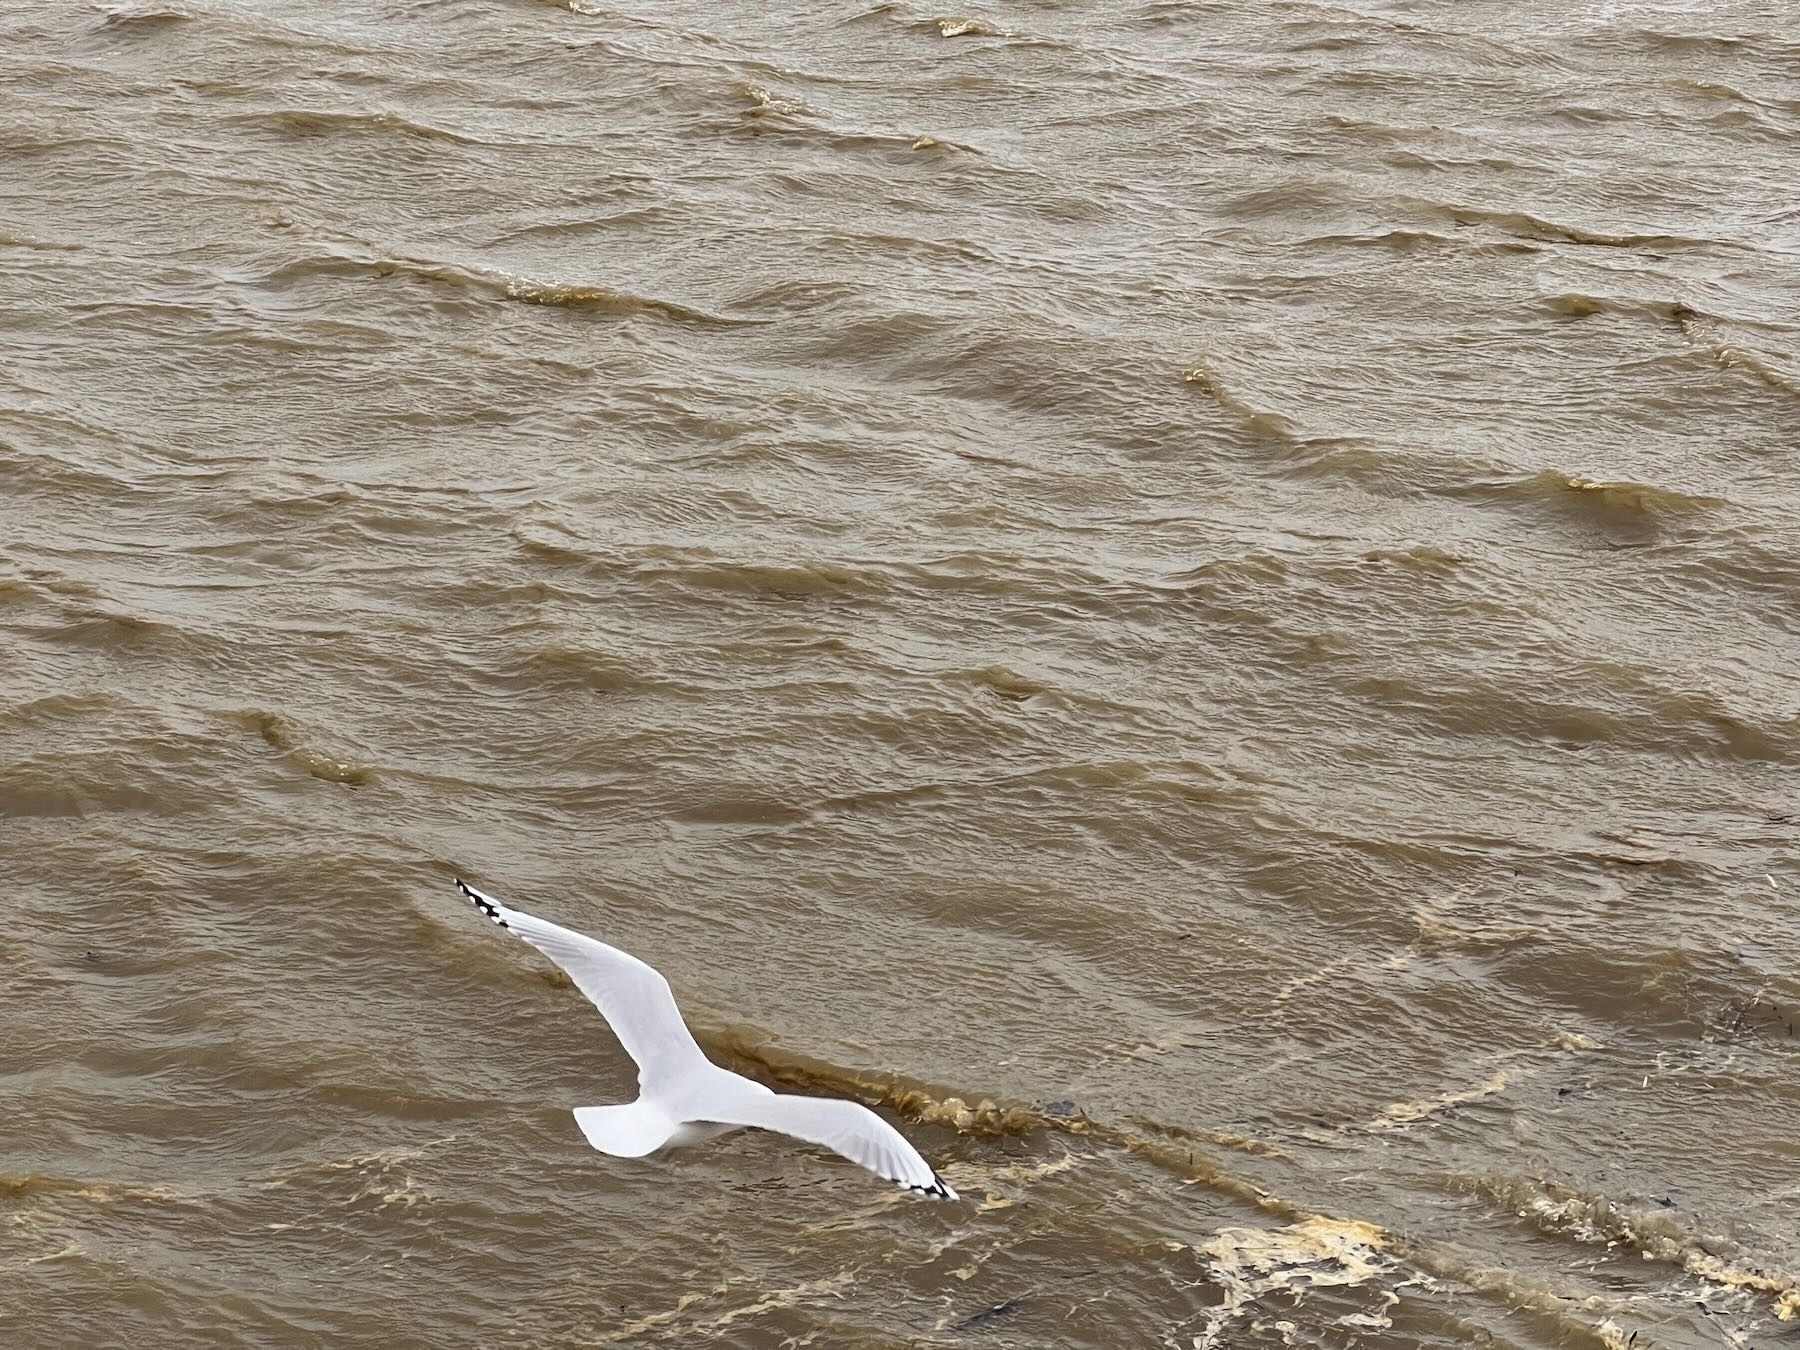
(384, 1177)
(1254, 569)
(1522, 224)
(949, 147)
(1259, 421)
(1646, 500)
(141, 18)
(1712, 89)
(358, 258)
(1590, 702)
(1656, 1232)
(10, 240)
(801, 295)
(913, 1100)
(1703, 331)
(586, 296)
(1726, 93)
(553, 544)
(1581, 305)
(788, 581)
(1423, 558)
(1237, 1143)
(1395, 240)
(281, 733)
(42, 579)
(315, 121)
(763, 100)
(794, 121)
(957, 26)
(1404, 1113)
(948, 26)
(55, 707)
(566, 226)
(1600, 502)
(1688, 43)
(115, 631)
(1008, 684)
(98, 1191)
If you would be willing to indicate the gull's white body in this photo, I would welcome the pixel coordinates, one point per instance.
(683, 1097)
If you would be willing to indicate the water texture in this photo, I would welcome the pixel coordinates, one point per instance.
(1198, 600)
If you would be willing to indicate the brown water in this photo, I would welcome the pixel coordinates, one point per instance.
(1235, 566)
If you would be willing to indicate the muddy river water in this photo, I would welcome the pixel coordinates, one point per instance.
(1201, 602)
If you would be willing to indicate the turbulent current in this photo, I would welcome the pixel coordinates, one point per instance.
(1199, 602)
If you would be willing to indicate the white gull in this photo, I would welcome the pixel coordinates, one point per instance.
(683, 1097)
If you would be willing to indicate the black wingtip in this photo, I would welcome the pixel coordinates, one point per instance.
(937, 1190)
(481, 902)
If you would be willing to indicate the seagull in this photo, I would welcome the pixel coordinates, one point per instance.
(683, 1097)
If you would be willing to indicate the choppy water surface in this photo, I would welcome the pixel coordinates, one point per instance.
(1201, 599)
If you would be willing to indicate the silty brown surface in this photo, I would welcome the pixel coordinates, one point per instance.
(1200, 599)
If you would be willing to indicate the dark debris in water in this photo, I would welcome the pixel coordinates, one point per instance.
(987, 1315)
(1754, 1018)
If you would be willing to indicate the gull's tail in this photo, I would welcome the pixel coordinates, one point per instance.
(627, 1131)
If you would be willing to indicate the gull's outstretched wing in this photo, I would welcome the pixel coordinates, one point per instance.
(843, 1127)
(633, 998)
